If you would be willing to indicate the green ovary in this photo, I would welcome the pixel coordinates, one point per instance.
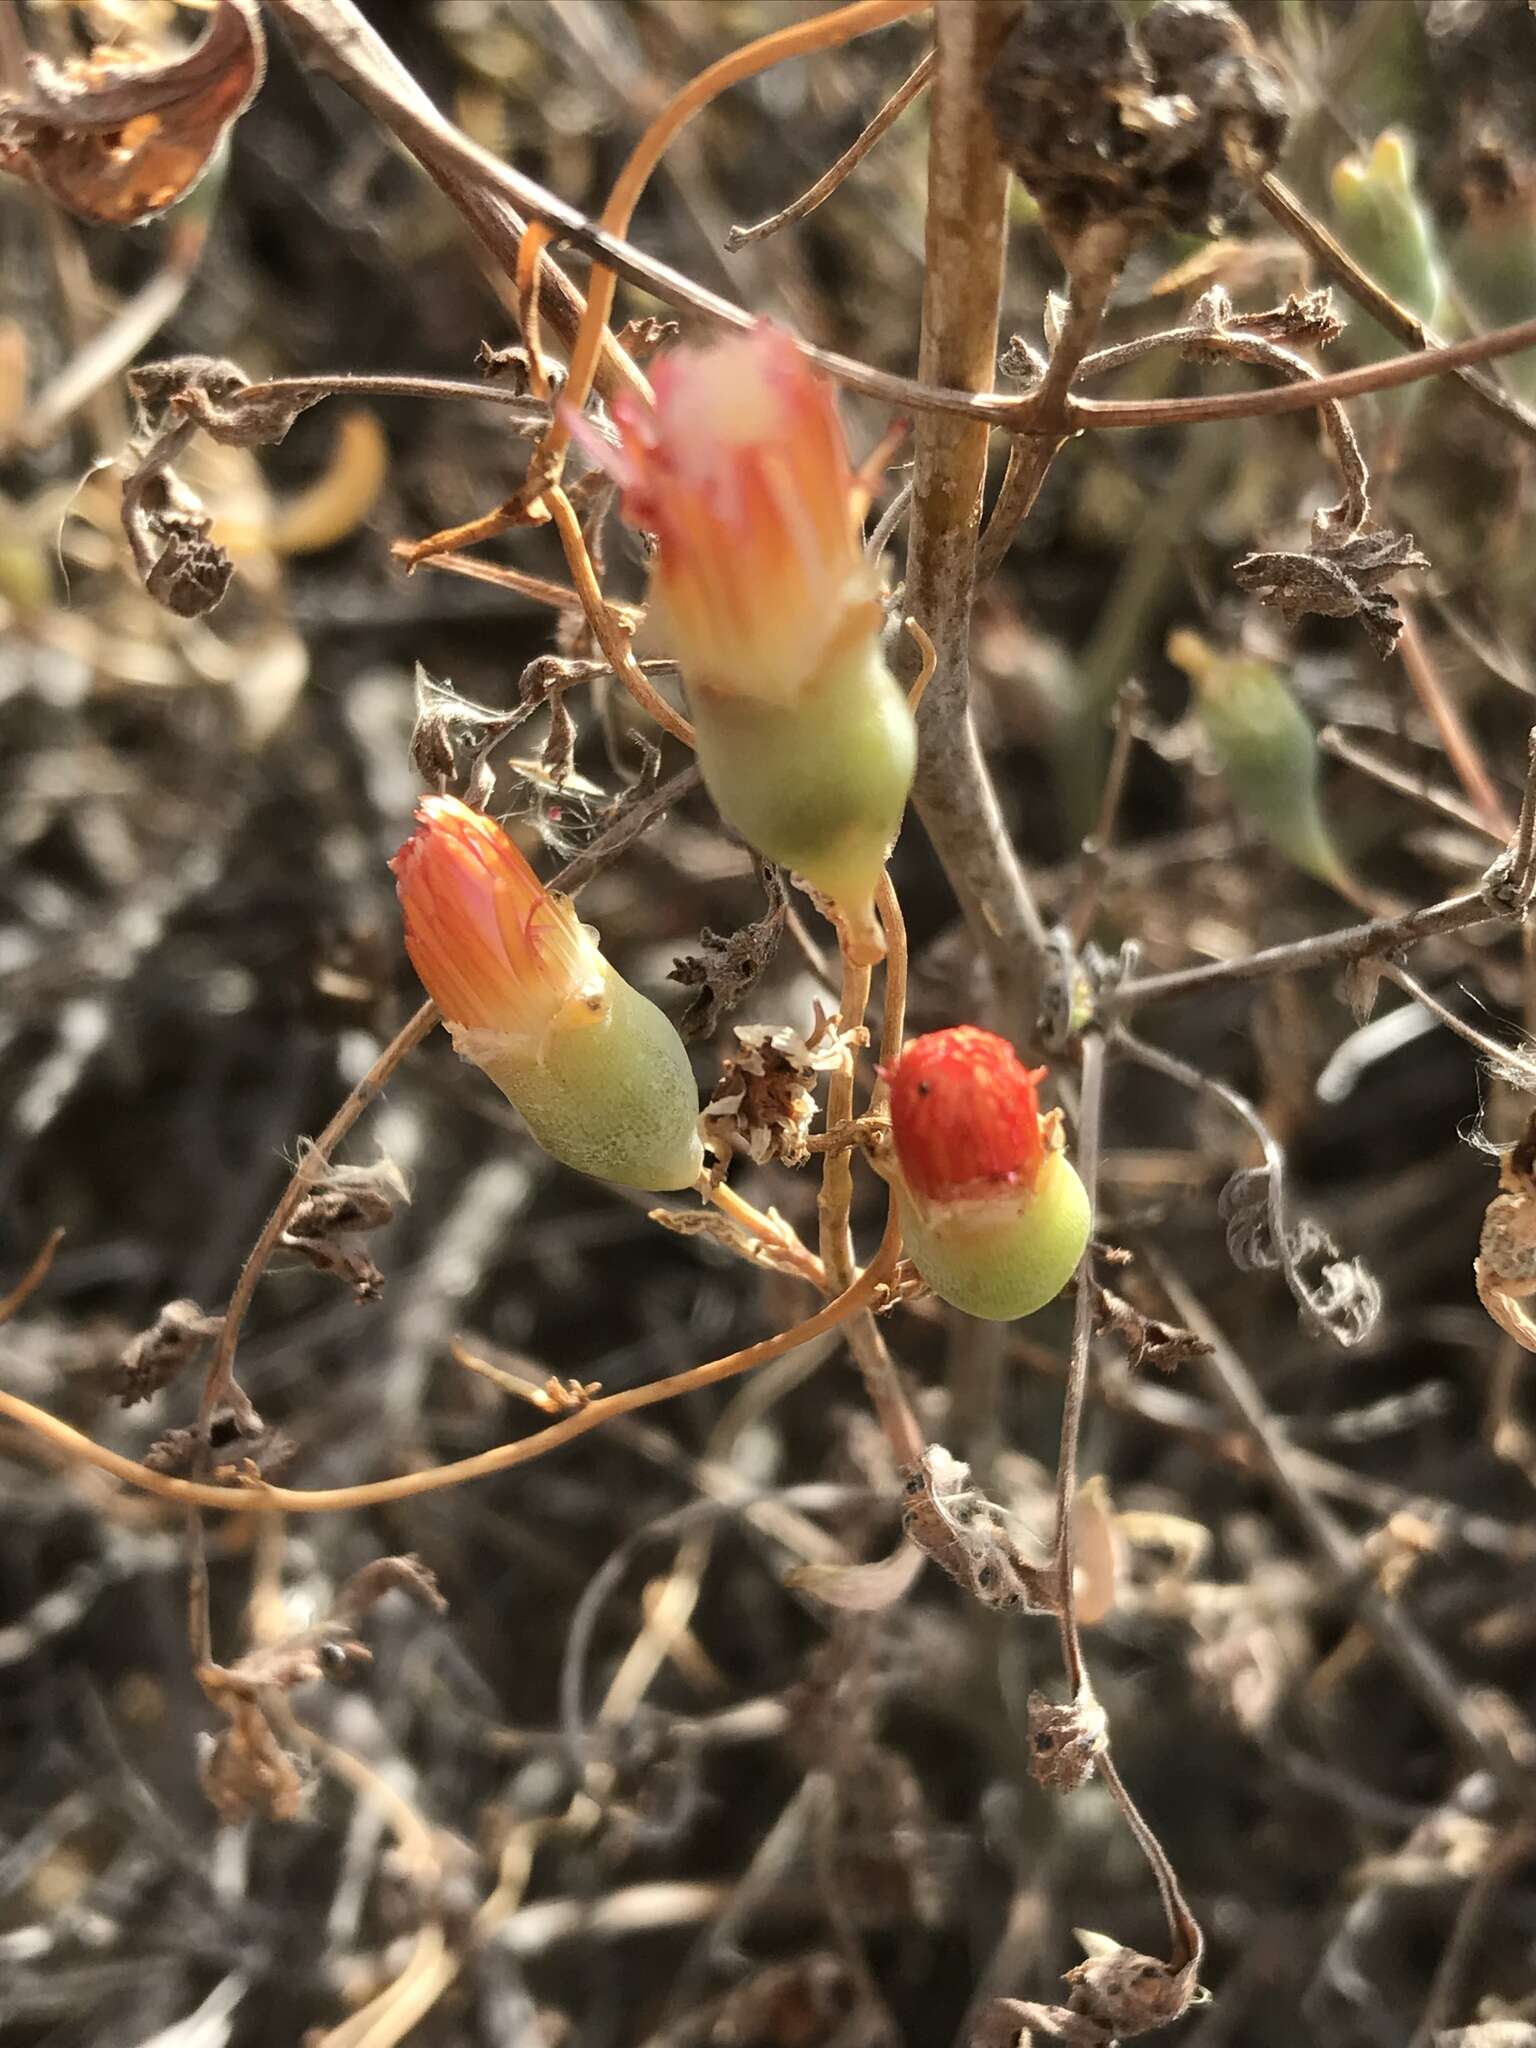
(1002, 1260)
(819, 785)
(616, 1099)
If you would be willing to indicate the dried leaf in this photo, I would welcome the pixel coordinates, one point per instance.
(160, 1354)
(728, 969)
(860, 1588)
(965, 1535)
(1148, 1340)
(1129, 1994)
(331, 1223)
(246, 1770)
(117, 137)
(210, 391)
(1340, 577)
(168, 531)
(1065, 1741)
(1016, 2022)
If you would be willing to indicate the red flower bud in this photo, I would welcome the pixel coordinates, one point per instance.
(964, 1111)
(992, 1214)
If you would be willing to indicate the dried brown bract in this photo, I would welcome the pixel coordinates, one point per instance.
(160, 1354)
(1506, 1263)
(248, 1769)
(330, 1225)
(119, 136)
(727, 969)
(1166, 126)
(1340, 577)
(965, 1535)
(1065, 1741)
(168, 531)
(1129, 1994)
(239, 1454)
(1148, 1340)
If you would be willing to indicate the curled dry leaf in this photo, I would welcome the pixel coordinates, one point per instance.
(168, 531)
(1129, 1994)
(119, 136)
(332, 1221)
(211, 391)
(965, 1535)
(160, 1354)
(1065, 1741)
(1340, 576)
(244, 1454)
(727, 969)
(1506, 1261)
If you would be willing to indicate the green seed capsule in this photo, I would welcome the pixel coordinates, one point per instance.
(615, 1098)
(1266, 750)
(822, 790)
(1005, 1255)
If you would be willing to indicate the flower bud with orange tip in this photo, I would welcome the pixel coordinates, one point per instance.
(599, 1075)
(993, 1214)
(805, 742)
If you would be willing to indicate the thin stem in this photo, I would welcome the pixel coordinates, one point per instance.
(608, 628)
(267, 1500)
(747, 1217)
(1085, 902)
(34, 1276)
(1504, 1058)
(965, 243)
(1332, 741)
(1187, 1943)
(1460, 747)
(1097, 258)
(851, 158)
(1336, 262)
(1063, 1549)
(1328, 949)
(219, 1383)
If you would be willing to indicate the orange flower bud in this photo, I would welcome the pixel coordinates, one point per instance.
(992, 1213)
(742, 473)
(496, 950)
(805, 742)
(600, 1075)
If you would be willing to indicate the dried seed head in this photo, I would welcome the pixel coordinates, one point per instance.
(497, 952)
(965, 1115)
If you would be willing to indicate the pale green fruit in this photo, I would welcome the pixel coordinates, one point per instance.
(819, 786)
(613, 1097)
(1266, 749)
(1001, 1255)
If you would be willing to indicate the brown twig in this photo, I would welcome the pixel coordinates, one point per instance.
(1096, 260)
(1460, 747)
(851, 158)
(1327, 949)
(34, 1276)
(263, 1499)
(1063, 1557)
(1336, 262)
(965, 240)
(1343, 748)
